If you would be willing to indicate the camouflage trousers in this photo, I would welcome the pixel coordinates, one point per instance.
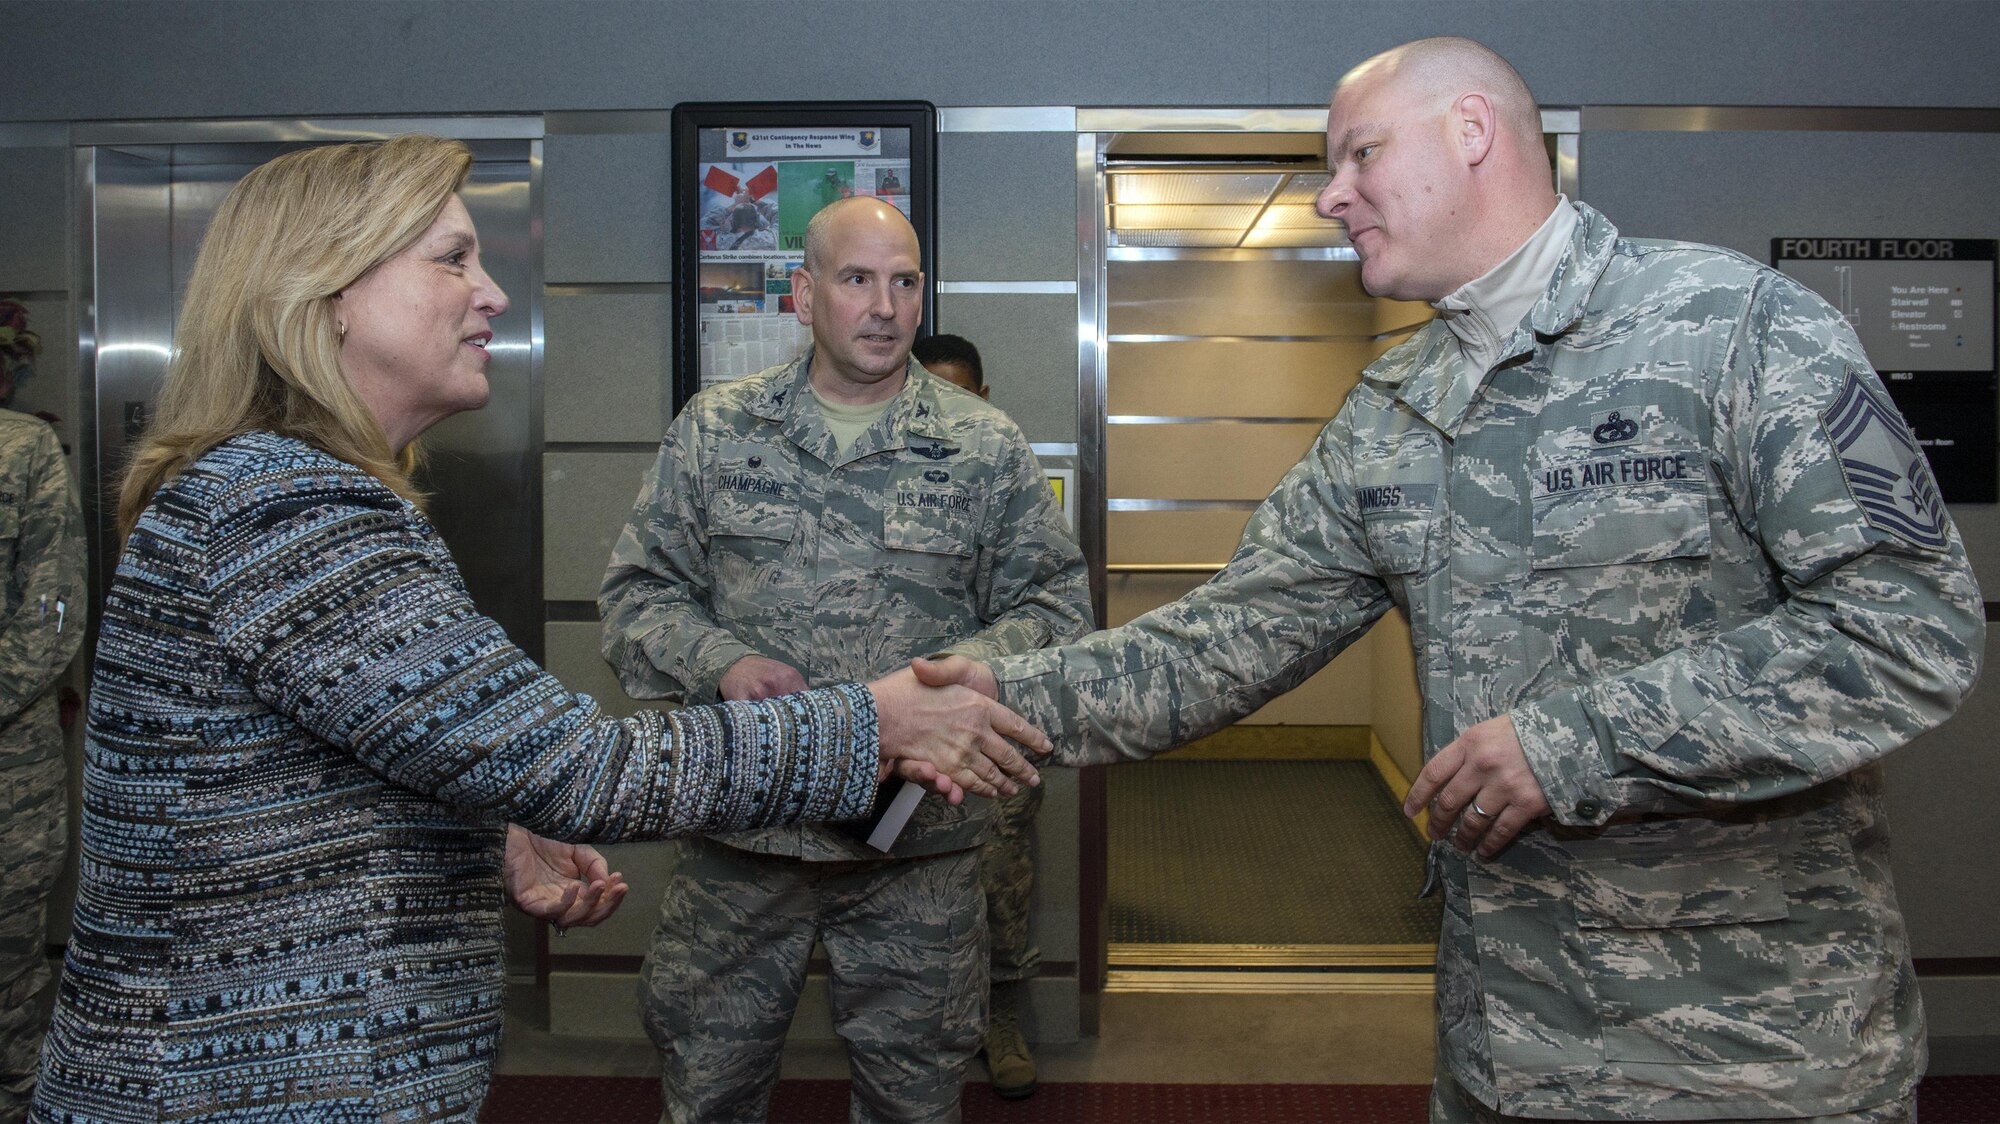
(906, 943)
(1451, 1104)
(1007, 875)
(33, 834)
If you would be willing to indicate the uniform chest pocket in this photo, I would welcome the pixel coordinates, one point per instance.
(748, 540)
(1620, 509)
(928, 560)
(1396, 520)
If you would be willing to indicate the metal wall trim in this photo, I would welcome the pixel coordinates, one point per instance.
(1006, 119)
(1788, 118)
(1239, 119)
(1223, 253)
(600, 288)
(1052, 448)
(1211, 419)
(1376, 338)
(308, 130)
(1569, 166)
(1248, 119)
(591, 122)
(992, 288)
(34, 134)
(1181, 505)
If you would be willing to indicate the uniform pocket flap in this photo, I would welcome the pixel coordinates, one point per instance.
(939, 530)
(1677, 888)
(743, 515)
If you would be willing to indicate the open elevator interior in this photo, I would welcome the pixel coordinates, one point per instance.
(1234, 324)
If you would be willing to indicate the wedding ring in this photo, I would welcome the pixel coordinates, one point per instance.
(1480, 812)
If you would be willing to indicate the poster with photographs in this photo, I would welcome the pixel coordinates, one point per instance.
(759, 188)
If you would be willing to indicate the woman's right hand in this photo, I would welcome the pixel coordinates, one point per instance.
(967, 737)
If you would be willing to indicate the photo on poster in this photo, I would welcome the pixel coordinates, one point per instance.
(731, 287)
(778, 285)
(739, 206)
(804, 186)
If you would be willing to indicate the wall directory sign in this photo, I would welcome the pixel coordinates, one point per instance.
(1924, 310)
(748, 177)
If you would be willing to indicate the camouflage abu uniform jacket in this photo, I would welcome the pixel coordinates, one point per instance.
(934, 531)
(42, 602)
(1636, 535)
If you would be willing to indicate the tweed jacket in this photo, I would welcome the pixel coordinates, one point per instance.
(304, 744)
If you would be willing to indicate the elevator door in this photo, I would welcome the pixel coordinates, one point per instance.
(147, 207)
(1235, 326)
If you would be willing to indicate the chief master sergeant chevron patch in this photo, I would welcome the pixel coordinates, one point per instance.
(1884, 467)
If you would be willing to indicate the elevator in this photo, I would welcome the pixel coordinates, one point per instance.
(1221, 325)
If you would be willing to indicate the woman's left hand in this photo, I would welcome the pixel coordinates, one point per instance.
(565, 884)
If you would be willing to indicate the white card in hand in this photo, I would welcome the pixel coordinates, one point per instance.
(891, 824)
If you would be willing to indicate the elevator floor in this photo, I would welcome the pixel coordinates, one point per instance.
(1262, 853)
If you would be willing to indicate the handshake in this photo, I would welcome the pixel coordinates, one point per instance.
(939, 724)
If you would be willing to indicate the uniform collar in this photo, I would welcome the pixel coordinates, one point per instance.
(913, 414)
(1441, 390)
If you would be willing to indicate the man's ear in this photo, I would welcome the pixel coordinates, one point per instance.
(802, 295)
(1473, 122)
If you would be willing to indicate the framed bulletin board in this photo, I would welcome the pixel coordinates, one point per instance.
(748, 176)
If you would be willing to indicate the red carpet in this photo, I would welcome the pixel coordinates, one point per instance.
(636, 1100)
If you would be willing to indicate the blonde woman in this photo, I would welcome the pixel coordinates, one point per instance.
(305, 743)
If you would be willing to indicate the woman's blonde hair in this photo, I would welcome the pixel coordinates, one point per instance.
(258, 346)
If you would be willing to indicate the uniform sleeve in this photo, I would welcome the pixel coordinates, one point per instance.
(658, 633)
(47, 627)
(1299, 589)
(1032, 587)
(329, 605)
(1878, 631)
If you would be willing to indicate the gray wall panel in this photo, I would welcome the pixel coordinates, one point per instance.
(1028, 343)
(1006, 207)
(586, 499)
(34, 197)
(1052, 925)
(605, 204)
(464, 56)
(1572, 52)
(94, 59)
(572, 650)
(607, 372)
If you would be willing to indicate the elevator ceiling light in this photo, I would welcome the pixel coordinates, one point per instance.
(1128, 217)
(1208, 188)
(1209, 207)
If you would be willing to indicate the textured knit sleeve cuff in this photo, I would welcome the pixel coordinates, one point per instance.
(803, 758)
(1564, 753)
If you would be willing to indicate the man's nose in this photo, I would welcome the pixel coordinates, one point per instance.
(1332, 201)
(883, 307)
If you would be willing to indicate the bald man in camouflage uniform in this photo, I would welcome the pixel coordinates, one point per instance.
(1677, 577)
(781, 542)
(41, 545)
